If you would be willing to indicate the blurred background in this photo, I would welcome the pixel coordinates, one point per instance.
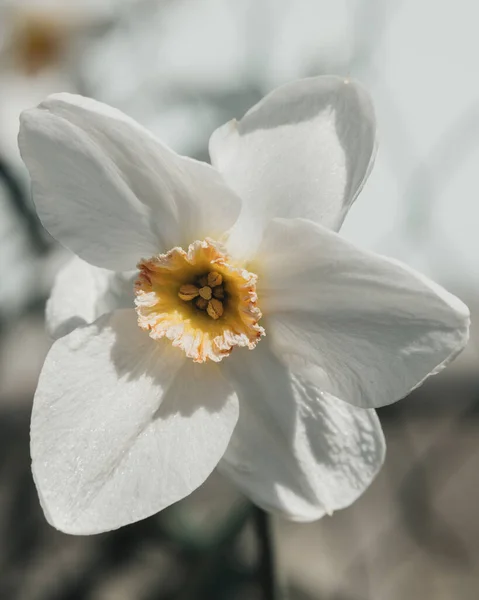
(182, 68)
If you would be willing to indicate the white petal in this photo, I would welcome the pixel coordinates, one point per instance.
(123, 426)
(304, 151)
(362, 327)
(82, 293)
(296, 450)
(109, 191)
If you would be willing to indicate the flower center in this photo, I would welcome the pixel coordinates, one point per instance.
(38, 41)
(207, 292)
(199, 301)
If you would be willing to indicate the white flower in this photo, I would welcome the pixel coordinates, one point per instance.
(124, 422)
(41, 47)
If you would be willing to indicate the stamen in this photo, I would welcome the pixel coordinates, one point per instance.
(219, 292)
(205, 292)
(201, 303)
(188, 292)
(215, 308)
(214, 279)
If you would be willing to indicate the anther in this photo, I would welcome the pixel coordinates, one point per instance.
(214, 308)
(219, 292)
(201, 303)
(205, 292)
(188, 292)
(214, 279)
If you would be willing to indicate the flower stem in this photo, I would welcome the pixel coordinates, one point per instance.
(266, 567)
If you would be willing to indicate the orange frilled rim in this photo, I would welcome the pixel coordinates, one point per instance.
(205, 322)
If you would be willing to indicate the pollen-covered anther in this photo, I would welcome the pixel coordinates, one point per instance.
(188, 292)
(205, 292)
(214, 279)
(199, 300)
(201, 303)
(215, 308)
(219, 292)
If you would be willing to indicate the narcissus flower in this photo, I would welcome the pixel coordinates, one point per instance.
(213, 316)
(42, 44)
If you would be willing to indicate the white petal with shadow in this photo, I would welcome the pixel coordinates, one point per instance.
(296, 450)
(123, 426)
(362, 327)
(81, 293)
(304, 151)
(108, 190)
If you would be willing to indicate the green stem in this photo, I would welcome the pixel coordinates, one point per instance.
(266, 568)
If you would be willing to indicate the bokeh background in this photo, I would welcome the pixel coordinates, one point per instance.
(182, 68)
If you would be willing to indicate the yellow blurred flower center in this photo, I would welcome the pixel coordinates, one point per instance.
(199, 300)
(38, 41)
